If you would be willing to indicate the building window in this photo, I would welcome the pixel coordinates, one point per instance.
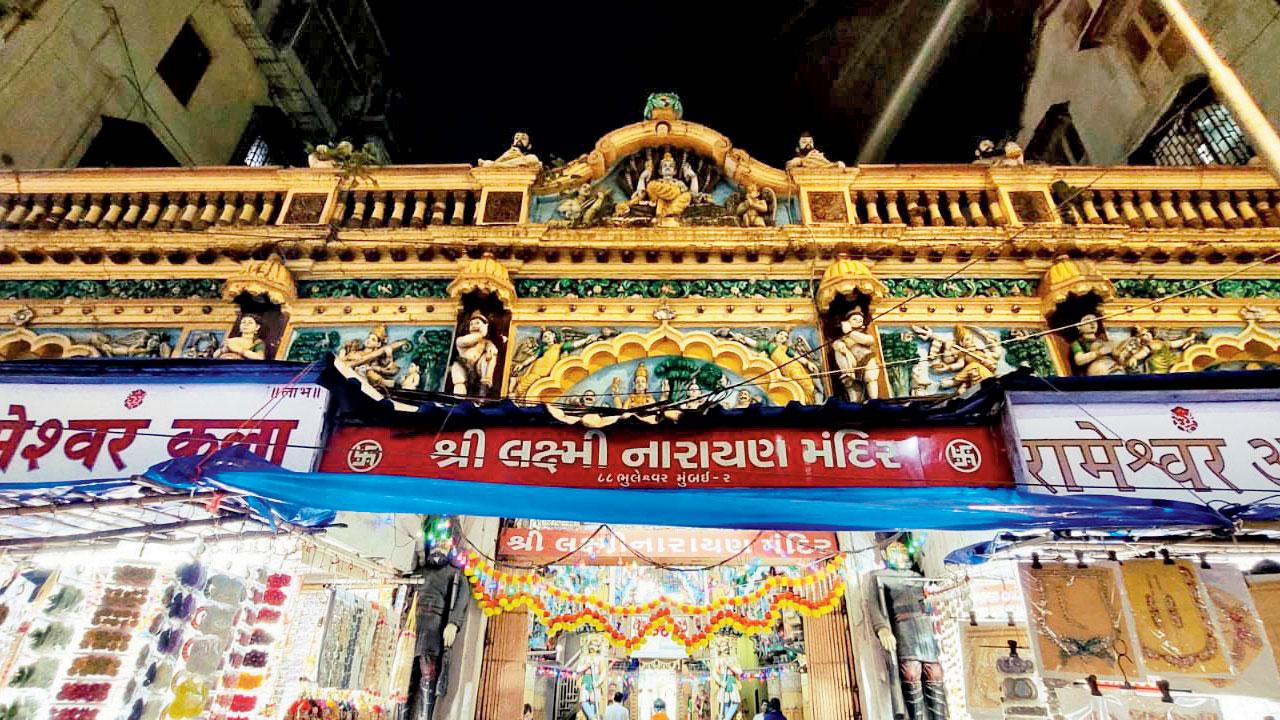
(1149, 36)
(184, 63)
(1056, 141)
(258, 154)
(1197, 130)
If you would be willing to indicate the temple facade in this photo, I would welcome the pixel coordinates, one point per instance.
(663, 271)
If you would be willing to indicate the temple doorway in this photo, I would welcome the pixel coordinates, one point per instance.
(658, 682)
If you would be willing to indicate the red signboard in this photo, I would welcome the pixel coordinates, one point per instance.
(667, 545)
(661, 458)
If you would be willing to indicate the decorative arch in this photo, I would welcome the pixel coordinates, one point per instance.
(1251, 346)
(23, 344)
(738, 166)
(663, 341)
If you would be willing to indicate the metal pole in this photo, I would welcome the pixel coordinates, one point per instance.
(1232, 91)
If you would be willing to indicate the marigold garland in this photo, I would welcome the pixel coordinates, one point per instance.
(813, 594)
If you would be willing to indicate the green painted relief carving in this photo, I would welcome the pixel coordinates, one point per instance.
(175, 289)
(1152, 288)
(373, 288)
(612, 288)
(923, 360)
(960, 287)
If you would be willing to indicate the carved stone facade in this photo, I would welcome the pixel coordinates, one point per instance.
(615, 282)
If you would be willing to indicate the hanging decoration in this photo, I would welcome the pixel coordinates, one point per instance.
(814, 593)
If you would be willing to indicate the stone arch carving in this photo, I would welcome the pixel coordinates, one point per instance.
(24, 344)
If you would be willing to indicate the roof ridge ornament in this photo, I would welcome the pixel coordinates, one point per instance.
(663, 106)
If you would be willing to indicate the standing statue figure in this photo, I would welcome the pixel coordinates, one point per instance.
(248, 345)
(593, 687)
(374, 359)
(809, 156)
(727, 676)
(900, 614)
(855, 353)
(518, 155)
(639, 397)
(669, 194)
(756, 207)
(476, 360)
(1092, 353)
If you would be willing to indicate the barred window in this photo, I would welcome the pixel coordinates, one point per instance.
(258, 154)
(1197, 130)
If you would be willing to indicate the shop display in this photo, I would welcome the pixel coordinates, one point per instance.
(983, 645)
(1078, 621)
(1254, 672)
(1265, 591)
(1175, 630)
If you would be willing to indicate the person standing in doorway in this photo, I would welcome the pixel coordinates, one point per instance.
(616, 710)
(659, 710)
(775, 710)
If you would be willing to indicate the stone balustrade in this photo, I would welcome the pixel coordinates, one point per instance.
(409, 197)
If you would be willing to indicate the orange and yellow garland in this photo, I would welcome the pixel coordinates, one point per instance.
(812, 594)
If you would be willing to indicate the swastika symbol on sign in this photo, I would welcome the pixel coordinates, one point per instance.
(364, 456)
(963, 456)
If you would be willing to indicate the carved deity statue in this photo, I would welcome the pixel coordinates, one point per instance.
(136, 344)
(809, 156)
(1154, 351)
(247, 344)
(536, 357)
(899, 613)
(855, 353)
(374, 359)
(793, 357)
(583, 207)
(1092, 353)
(639, 397)
(518, 155)
(969, 357)
(670, 195)
(756, 207)
(472, 370)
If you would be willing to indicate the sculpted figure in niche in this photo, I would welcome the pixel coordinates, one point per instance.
(1092, 353)
(518, 155)
(583, 207)
(247, 343)
(477, 358)
(374, 359)
(809, 156)
(639, 397)
(793, 357)
(855, 353)
(670, 195)
(756, 207)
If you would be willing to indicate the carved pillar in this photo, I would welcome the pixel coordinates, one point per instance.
(845, 296)
(478, 359)
(93, 213)
(1167, 210)
(397, 209)
(1228, 213)
(868, 200)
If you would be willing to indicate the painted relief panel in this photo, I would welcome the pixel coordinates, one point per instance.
(631, 367)
(24, 343)
(929, 360)
(202, 343)
(1163, 349)
(412, 357)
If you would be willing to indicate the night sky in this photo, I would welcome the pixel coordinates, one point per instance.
(471, 73)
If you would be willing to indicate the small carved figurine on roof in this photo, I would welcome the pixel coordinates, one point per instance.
(1009, 155)
(809, 156)
(517, 155)
(663, 106)
(754, 207)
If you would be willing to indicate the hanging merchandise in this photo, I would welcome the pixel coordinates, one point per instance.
(1265, 591)
(1022, 693)
(983, 646)
(1182, 708)
(1176, 634)
(814, 593)
(1078, 703)
(1077, 619)
(1253, 666)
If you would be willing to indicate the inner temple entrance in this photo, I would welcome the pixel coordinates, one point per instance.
(652, 644)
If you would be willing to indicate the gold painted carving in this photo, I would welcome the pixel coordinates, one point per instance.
(1069, 278)
(845, 277)
(484, 275)
(1251, 346)
(263, 278)
(666, 340)
(23, 344)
